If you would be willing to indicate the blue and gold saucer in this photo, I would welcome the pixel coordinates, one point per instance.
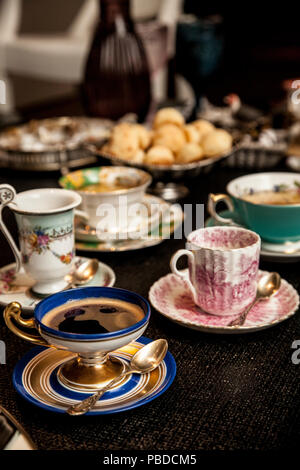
(35, 379)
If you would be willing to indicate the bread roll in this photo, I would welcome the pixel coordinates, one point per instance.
(203, 127)
(170, 136)
(159, 155)
(191, 133)
(124, 140)
(168, 116)
(138, 157)
(216, 143)
(144, 136)
(191, 152)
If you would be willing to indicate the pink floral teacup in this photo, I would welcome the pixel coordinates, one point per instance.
(45, 219)
(223, 268)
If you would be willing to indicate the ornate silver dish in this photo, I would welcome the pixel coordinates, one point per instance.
(168, 179)
(257, 155)
(51, 144)
(166, 172)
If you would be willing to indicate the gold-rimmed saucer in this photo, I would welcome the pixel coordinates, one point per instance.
(35, 378)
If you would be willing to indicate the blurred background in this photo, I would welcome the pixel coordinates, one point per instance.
(193, 49)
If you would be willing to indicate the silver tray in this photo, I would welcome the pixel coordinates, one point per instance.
(45, 161)
(255, 158)
(60, 156)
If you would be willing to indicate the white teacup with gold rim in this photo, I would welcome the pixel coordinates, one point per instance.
(89, 322)
(45, 219)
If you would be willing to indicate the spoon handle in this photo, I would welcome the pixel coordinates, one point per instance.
(88, 403)
(239, 321)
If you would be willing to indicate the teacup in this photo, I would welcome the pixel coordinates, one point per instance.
(90, 368)
(111, 209)
(45, 219)
(274, 223)
(223, 268)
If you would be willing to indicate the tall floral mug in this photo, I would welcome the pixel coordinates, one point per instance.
(223, 268)
(45, 219)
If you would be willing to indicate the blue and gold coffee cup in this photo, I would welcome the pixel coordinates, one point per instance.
(90, 367)
(275, 223)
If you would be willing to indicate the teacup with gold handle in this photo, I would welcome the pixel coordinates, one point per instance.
(90, 367)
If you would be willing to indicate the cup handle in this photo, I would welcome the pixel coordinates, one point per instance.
(7, 195)
(81, 215)
(13, 311)
(213, 200)
(183, 273)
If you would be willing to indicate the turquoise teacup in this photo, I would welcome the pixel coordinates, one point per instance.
(274, 223)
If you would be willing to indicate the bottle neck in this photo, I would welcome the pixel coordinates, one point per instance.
(110, 10)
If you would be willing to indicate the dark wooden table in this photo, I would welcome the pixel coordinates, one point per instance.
(231, 392)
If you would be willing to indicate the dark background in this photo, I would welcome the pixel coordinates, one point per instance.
(261, 47)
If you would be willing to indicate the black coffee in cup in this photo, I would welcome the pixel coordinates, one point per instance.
(94, 316)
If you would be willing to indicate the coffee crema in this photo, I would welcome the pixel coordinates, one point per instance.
(274, 198)
(94, 316)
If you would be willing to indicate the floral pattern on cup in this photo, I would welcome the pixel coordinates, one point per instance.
(39, 240)
(67, 258)
(6, 280)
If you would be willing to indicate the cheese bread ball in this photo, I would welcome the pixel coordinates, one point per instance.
(191, 152)
(191, 133)
(144, 136)
(168, 116)
(138, 157)
(216, 142)
(124, 140)
(159, 155)
(203, 127)
(170, 136)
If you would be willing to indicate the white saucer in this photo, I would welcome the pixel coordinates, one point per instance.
(137, 228)
(17, 287)
(171, 296)
(286, 248)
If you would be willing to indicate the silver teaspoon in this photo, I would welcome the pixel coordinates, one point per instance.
(84, 273)
(267, 286)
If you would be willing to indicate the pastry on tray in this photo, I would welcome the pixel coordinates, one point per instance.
(170, 141)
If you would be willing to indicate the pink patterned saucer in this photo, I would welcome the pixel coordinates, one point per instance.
(171, 296)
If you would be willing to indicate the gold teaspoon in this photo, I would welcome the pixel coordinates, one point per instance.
(145, 360)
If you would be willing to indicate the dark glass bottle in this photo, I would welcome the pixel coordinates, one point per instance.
(117, 78)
